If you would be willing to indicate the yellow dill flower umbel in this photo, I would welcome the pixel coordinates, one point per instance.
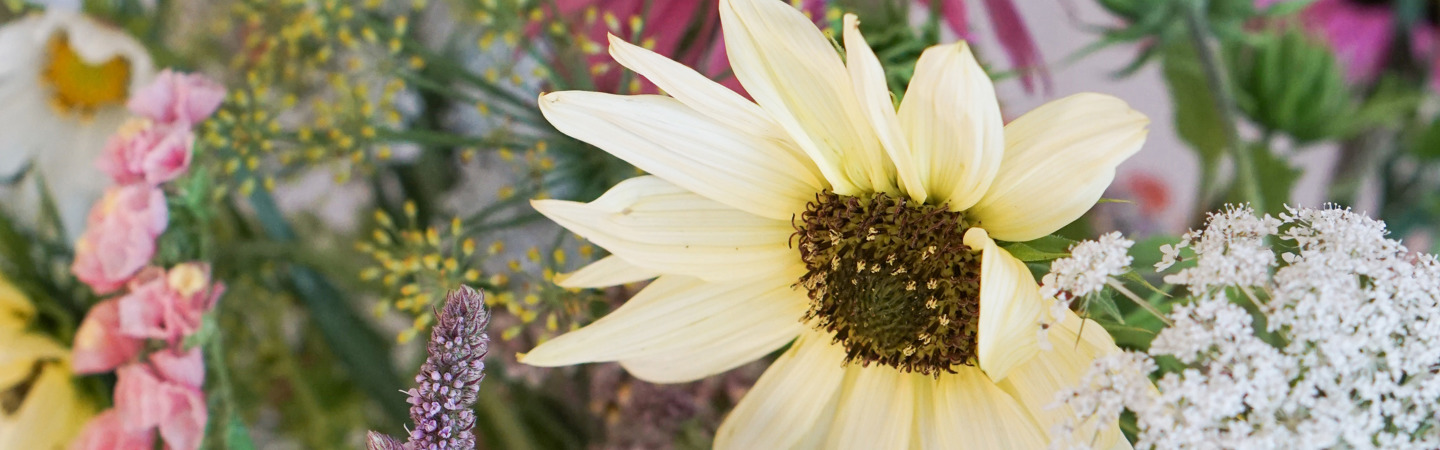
(862, 235)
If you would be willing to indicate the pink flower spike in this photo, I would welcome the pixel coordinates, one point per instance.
(120, 238)
(184, 424)
(99, 344)
(1019, 46)
(142, 151)
(179, 98)
(168, 305)
(186, 368)
(141, 397)
(107, 432)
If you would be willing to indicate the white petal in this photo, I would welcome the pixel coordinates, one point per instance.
(794, 73)
(675, 315)
(868, 79)
(967, 411)
(608, 271)
(739, 346)
(1010, 308)
(655, 225)
(1059, 159)
(876, 407)
(1035, 383)
(661, 136)
(715, 101)
(789, 400)
(953, 123)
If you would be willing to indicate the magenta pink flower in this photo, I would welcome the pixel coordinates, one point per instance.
(164, 394)
(1010, 30)
(143, 151)
(177, 98)
(1362, 33)
(168, 305)
(107, 432)
(100, 346)
(120, 236)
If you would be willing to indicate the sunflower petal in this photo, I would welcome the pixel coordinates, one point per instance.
(608, 271)
(952, 121)
(657, 226)
(1075, 343)
(789, 400)
(1010, 308)
(1059, 159)
(876, 407)
(672, 141)
(724, 352)
(871, 89)
(794, 73)
(715, 101)
(970, 412)
(677, 315)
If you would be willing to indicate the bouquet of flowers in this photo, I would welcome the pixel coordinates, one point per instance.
(634, 224)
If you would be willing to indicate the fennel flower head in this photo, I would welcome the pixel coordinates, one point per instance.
(857, 236)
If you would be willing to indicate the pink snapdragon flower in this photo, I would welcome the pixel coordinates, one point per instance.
(100, 346)
(1362, 33)
(144, 151)
(168, 305)
(120, 237)
(1010, 30)
(164, 394)
(107, 431)
(177, 98)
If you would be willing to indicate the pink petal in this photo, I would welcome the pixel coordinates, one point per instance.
(185, 368)
(184, 424)
(99, 345)
(1019, 46)
(141, 397)
(107, 432)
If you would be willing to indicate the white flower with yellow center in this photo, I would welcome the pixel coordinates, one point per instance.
(822, 217)
(40, 407)
(64, 80)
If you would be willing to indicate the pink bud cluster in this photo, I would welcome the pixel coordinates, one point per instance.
(140, 333)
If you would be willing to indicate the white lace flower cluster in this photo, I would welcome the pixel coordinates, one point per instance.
(1348, 356)
(1089, 268)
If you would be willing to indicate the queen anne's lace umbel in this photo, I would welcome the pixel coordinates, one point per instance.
(1347, 357)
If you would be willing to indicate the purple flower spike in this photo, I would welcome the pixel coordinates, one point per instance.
(449, 382)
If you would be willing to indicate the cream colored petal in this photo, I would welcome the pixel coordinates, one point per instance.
(717, 102)
(779, 326)
(20, 352)
(661, 136)
(877, 405)
(868, 78)
(1010, 308)
(788, 401)
(50, 416)
(967, 411)
(793, 72)
(1034, 384)
(1059, 159)
(608, 271)
(675, 315)
(953, 124)
(657, 226)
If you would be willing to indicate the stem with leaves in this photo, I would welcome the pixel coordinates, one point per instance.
(1216, 76)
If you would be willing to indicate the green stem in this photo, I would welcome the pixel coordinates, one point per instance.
(1219, 84)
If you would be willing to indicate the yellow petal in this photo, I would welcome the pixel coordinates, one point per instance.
(871, 89)
(789, 400)
(661, 136)
(877, 404)
(13, 302)
(1059, 159)
(716, 102)
(793, 72)
(50, 416)
(952, 121)
(677, 316)
(1010, 308)
(965, 410)
(608, 271)
(657, 226)
(20, 352)
(1035, 383)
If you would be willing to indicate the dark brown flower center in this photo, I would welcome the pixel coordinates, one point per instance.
(892, 280)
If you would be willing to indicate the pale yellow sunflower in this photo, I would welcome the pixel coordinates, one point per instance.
(822, 217)
(40, 406)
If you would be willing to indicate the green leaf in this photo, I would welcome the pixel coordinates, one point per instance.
(1427, 146)
(1102, 302)
(1196, 120)
(1287, 7)
(1047, 248)
(1276, 177)
(237, 435)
